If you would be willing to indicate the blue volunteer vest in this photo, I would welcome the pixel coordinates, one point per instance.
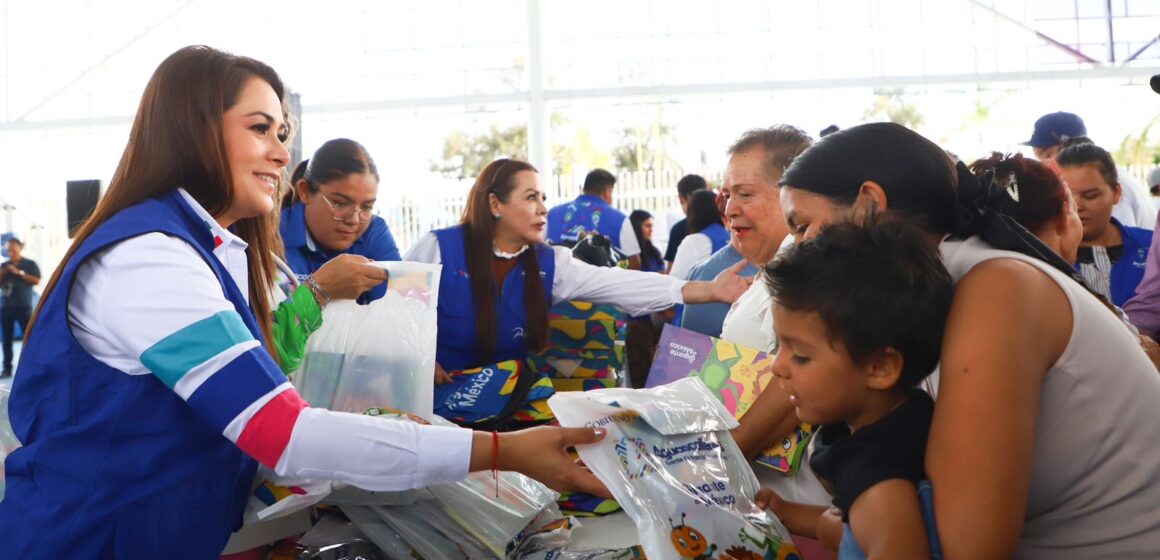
(707, 318)
(588, 213)
(1129, 269)
(456, 345)
(116, 465)
(719, 238)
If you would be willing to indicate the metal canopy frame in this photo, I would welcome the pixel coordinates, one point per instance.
(537, 97)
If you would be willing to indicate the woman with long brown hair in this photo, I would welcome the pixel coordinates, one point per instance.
(499, 277)
(147, 395)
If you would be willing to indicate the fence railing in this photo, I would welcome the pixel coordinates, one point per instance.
(413, 213)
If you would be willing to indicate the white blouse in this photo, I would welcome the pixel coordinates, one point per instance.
(639, 293)
(695, 249)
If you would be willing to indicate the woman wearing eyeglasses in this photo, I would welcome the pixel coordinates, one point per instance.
(331, 212)
(499, 277)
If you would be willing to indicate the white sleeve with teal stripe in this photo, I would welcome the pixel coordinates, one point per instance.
(151, 306)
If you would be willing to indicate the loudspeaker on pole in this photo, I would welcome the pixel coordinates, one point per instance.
(81, 198)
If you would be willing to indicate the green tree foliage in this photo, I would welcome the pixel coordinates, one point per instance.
(646, 147)
(1137, 152)
(641, 148)
(579, 153)
(464, 154)
(896, 107)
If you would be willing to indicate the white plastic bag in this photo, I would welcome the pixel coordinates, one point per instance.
(377, 355)
(670, 462)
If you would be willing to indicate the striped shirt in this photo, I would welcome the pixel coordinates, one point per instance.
(150, 306)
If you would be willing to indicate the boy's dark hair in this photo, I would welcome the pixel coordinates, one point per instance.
(875, 286)
(690, 184)
(597, 181)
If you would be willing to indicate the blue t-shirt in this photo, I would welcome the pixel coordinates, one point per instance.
(15, 289)
(588, 213)
(707, 318)
(677, 234)
(305, 256)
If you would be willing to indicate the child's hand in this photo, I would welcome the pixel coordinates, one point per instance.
(441, 375)
(830, 530)
(767, 499)
(799, 519)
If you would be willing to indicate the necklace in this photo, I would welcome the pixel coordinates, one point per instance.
(504, 255)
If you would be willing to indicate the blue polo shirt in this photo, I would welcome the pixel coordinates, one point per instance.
(707, 318)
(589, 213)
(305, 256)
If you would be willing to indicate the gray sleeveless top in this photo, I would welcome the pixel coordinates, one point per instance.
(1095, 477)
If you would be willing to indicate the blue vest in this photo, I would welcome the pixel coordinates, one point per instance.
(1129, 269)
(588, 213)
(376, 244)
(117, 465)
(457, 346)
(707, 318)
(718, 236)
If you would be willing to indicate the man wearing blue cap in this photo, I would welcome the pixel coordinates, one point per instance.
(1054, 129)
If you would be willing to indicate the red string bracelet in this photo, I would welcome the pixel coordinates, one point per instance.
(495, 460)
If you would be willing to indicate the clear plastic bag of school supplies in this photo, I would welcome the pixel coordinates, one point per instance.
(494, 522)
(380, 354)
(335, 539)
(565, 553)
(389, 542)
(434, 515)
(553, 541)
(427, 541)
(670, 462)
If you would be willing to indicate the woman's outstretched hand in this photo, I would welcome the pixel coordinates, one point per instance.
(729, 284)
(725, 288)
(542, 454)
